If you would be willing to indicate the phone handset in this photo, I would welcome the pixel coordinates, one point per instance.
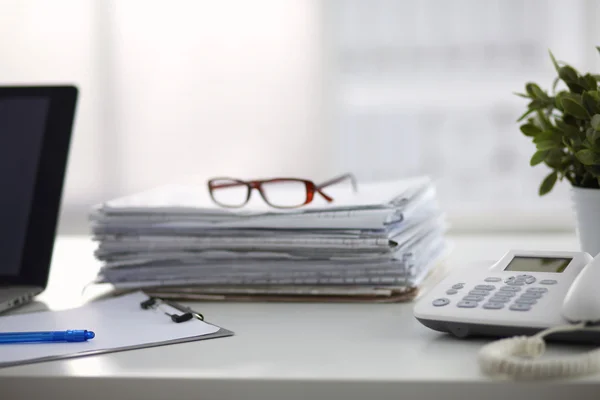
(516, 357)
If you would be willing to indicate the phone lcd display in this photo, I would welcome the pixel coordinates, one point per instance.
(538, 264)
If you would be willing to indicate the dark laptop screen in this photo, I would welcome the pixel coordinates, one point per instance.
(22, 128)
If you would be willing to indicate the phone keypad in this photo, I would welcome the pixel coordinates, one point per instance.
(489, 297)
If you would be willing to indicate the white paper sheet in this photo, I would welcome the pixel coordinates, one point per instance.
(119, 323)
(195, 198)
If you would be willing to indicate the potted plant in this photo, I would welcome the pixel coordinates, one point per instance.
(564, 126)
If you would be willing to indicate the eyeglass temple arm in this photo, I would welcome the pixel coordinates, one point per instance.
(338, 180)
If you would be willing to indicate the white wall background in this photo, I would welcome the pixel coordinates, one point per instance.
(311, 88)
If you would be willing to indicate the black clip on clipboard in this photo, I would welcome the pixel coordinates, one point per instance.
(154, 303)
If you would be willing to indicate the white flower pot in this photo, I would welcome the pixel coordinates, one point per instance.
(587, 211)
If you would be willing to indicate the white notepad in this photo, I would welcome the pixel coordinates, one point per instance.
(119, 324)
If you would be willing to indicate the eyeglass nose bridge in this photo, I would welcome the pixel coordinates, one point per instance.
(254, 185)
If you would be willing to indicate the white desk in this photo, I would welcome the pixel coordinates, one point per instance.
(290, 351)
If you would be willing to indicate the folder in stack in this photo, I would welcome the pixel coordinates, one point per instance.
(377, 244)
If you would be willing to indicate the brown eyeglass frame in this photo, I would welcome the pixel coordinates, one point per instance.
(311, 189)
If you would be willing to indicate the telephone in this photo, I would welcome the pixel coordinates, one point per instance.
(549, 293)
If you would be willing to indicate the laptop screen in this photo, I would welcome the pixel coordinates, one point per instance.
(35, 134)
(22, 127)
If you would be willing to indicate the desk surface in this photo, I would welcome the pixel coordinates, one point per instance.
(289, 350)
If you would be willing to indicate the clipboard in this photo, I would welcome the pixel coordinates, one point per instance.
(128, 322)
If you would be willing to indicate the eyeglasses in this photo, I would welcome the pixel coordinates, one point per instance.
(276, 192)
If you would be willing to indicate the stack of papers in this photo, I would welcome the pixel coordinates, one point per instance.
(378, 242)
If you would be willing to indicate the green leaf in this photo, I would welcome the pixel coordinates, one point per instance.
(553, 158)
(537, 104)
(598, 48)
(558, 101)
(555, 83)
(538, 157)
(547, 136)
(539, 93)
(534, 90)
(571, 120)
(521, 95)
(575, 87)
(568, 144)
(588, 157)
(548, 183)
(594, 94)
(568, 74)
(596, 122)
(590, 104)
(589, 82)
(554, 61)
(522, 117)
(593, 169)
(592, 135)
(530, 130)
(543, 120)
(567, 129)
(547, 145)
(575, 109)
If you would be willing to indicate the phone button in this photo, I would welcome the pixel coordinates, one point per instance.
(531, 295)
(520, 307)
(515, 283)
(479, 292)
(537, 290)
(451, 291)
(441, 302)
(473, 298)
(503, 293)
(458, 286)
(548, 282)
(467, 304)
(493, 306)
(510, 289)
(523, 300)
(485, 287)
(499, 299)
(492, 279)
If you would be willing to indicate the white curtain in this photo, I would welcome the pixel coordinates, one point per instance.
(189, 89)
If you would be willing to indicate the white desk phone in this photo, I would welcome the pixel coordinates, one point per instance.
(549, 293)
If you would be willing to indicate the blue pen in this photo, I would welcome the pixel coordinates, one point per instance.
(46, 337)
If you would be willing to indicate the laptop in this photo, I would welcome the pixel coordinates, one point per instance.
(35, 136)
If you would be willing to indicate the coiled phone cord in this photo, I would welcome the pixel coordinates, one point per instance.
(505, 358)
